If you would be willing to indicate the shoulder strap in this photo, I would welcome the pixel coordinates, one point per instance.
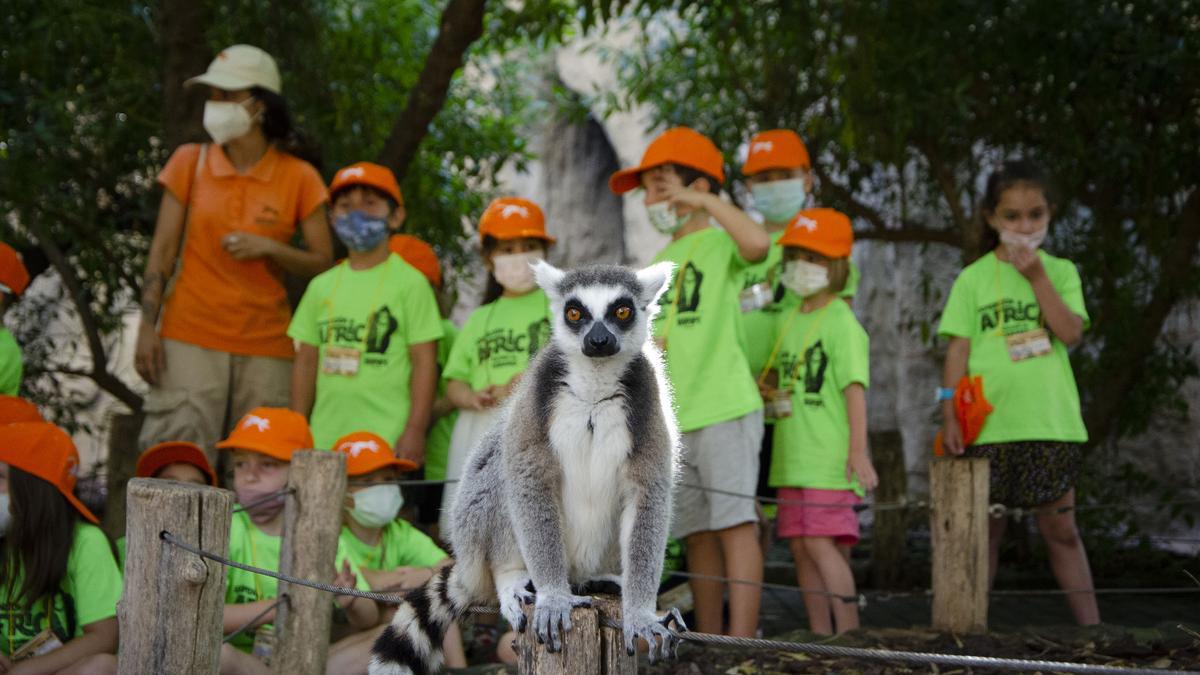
(187, 208)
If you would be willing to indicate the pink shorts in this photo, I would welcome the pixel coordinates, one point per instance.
(834, 517)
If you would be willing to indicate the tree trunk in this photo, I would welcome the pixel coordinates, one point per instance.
(185, 54)
(461, 26)
(1123, 358)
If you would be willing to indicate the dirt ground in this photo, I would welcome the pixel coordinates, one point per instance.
(1168, 646)
(1172, 646)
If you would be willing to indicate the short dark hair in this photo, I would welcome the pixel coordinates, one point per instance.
(689, 175)
(391, 201)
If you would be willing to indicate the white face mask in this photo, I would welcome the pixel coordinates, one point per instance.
(377, 505)
(226, 120)
(512, 270)
(804, 278)
(1028, 242)
(664, 218)
(5, 514)
(779, 200)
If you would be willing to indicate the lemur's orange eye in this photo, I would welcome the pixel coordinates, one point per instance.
(623, 313)
(574, 315)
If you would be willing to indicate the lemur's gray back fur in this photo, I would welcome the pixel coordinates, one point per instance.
(512, 526)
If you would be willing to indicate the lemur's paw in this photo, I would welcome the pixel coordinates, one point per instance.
(663, 642)
(552, 616)
(513, 598)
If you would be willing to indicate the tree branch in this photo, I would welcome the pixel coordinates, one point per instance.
(461, 26)
(91, 328)
(1124, 359)
(881, 230)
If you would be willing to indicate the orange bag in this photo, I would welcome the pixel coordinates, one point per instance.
(971, 408)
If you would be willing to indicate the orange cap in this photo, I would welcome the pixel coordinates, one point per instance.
(418, 254)
(825, 231)
(13, 409)
(680, 145)
(369, 174)
(366, 452)
(275, 432)
(513, 218)
(171, 452)
(47, 452)
(775, 149)
(13, 275)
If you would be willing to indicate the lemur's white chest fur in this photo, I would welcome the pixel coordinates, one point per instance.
(590, 436)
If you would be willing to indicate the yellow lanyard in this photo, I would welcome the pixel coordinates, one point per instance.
(787, 327)
(12, 620)
(673, 311)
(329, 304)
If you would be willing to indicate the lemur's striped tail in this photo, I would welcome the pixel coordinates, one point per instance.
(412, 644)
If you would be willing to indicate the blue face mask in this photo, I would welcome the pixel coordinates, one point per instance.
(360, 232)
(779, 200)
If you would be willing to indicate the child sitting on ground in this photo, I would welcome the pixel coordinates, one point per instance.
(261, 445)
(391, 554)
(60, 584)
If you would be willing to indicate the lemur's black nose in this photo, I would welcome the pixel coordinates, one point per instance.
(599, 341)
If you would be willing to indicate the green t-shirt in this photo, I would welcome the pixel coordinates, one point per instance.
(401, 545)
(498, 340)
(698, 319)
(11, 365)
(437, 441)
(89, 593)
(379, 312)
(1034, 399)
(757, 325)
(251, 546)
(820, 354)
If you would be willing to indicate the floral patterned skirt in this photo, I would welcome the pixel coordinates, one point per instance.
(1030, 473)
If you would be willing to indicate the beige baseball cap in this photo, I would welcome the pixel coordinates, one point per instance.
(241, 67)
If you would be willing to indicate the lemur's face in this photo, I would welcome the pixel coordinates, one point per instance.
(601, 311)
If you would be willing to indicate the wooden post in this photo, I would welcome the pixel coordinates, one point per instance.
(120, 465)
(170, 611)
(959, 525)
(312, 520)
(589, 647)
(890, 532)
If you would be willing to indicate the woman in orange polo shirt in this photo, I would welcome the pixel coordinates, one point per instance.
(227, 217)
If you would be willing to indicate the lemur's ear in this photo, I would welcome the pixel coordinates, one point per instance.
(548, 276)
(655, 279)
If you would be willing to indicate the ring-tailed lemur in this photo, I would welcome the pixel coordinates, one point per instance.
(571, 485)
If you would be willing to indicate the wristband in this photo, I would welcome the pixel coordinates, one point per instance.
(944, 394)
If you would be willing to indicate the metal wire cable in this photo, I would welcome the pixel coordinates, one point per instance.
(253, 622)
(920, 658)
(706, 638)
(263, 500)
(859, 599)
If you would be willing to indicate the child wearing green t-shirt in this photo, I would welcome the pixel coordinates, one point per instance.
(818, 370)
(391, 554)
(367, 328)
(718, 406)
(502, 335)
(261, 447)
(13, 280)
(60, 582)
(1010, 317)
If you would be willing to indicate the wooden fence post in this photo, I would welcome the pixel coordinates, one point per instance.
(959, 527)
(170, 610)
(589, 647)
(890, 533)
(312, 521)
